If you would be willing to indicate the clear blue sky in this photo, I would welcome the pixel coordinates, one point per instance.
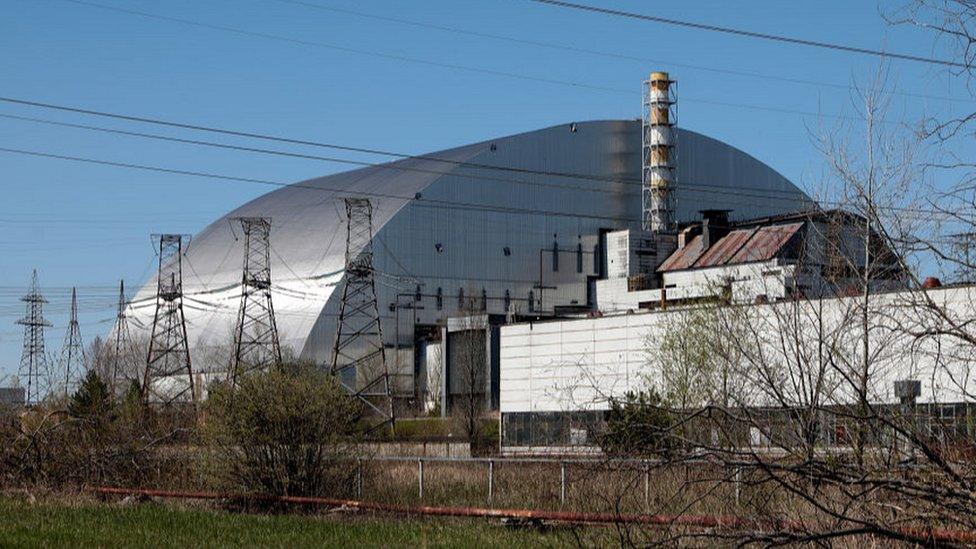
(88, 225)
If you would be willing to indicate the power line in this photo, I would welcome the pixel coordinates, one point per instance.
(607, 54)
(790, 194)
(427, 202)
(763, 193)
(453, 66)
(754, 34)
(336, 190)
(336, 47)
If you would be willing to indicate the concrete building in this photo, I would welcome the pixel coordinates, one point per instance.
(558, 377)
(812, 254)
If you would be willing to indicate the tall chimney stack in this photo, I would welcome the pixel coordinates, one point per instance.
(658, 142)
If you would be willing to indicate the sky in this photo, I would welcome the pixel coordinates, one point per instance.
(378, 74)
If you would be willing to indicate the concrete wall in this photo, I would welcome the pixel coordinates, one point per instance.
(579, 364)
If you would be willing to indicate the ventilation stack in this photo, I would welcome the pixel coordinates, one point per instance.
(658, 141)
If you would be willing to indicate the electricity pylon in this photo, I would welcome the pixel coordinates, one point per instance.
(72, 357)
(256, 346)
(33, 362)
(122, 366)
(169, 376)
(358, 358)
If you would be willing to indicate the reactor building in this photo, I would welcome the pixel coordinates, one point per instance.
(517, 227)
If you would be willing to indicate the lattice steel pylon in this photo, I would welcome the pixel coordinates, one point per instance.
(169, 376)
(256, 345)
(358, 357)
(122, 366)
(34, 369)
(72, 358)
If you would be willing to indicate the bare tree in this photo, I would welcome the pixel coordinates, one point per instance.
(468, 378)
(815, 446)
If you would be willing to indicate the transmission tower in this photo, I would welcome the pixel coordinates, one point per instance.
(72, 358)
(256, 339)
(122, 367)
(168, 376)
(357, 356)
(33, 361)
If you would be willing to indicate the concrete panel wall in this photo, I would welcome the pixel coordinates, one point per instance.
(580, 364)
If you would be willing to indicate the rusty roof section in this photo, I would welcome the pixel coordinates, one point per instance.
(766, 243)
(739, 246)
(683, 258)
(722, 251)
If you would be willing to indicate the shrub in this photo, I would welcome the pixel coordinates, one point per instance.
(84, 439)
(290, 431)
(638, 425)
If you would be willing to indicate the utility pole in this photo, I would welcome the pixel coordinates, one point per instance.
(256, 344)
(72, 356)
(169, 376)
(358, 357)
(33, 360)
(122, 366)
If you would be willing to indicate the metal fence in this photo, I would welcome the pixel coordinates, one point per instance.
(644, 467)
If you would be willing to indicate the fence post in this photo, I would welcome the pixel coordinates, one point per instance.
(562, 482)
(359, 478)
(491, 479)
(738, 483)
(420, 477)
(647, 485)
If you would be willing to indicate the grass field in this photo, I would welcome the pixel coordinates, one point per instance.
(48, 523)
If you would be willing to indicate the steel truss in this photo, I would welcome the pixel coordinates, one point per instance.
(256, 346)
(34, 369)
(358, 357)
(169, 375)
(72, 358)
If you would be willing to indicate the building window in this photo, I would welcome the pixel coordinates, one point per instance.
(440, 298)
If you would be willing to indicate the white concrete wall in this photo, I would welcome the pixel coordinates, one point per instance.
(579, 364)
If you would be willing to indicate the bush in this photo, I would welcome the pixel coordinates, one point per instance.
(85, 439)
(292, 431)
(638, 425)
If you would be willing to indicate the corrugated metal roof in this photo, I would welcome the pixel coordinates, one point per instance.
(683, 258)
(722, 251)
(766, 243)
(739, 246)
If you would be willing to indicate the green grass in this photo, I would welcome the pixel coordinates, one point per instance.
(49, 523)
